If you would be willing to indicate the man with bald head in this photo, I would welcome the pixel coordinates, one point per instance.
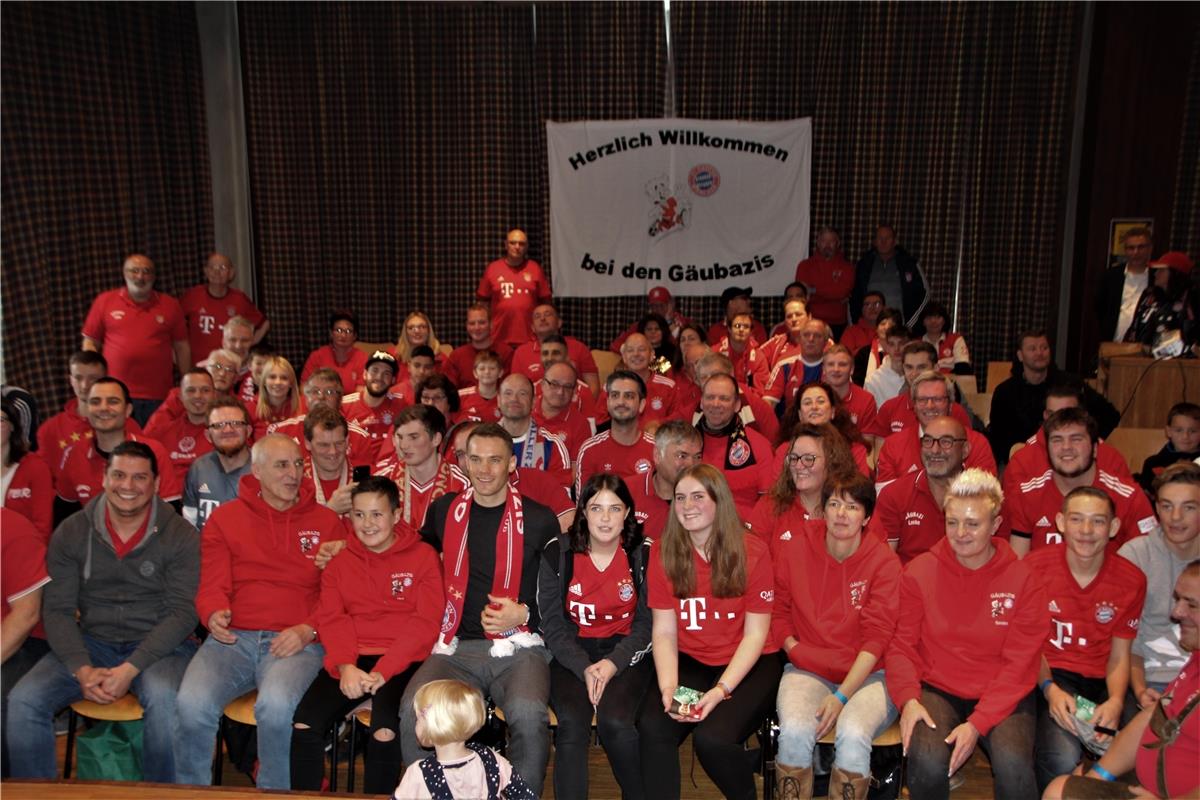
(259, 587)
(547, 323)
(139, 330)
(512, 286)
(909, 511)
(210, 305)
(661, 394)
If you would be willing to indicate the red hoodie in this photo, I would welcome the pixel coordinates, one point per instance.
(975, 634)
(258, 562)
(388, 603)
(835, 610)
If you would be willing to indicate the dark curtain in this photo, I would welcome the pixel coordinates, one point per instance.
(391, 148)
(1185, 221)
(949, 121)
(105, 154)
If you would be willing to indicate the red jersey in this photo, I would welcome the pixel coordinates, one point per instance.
(137, 339)
(857, 336)
(389, 603)
(836, 610)
(901, 454)
(976, 634)
(789, 375)
(774, 528)
(56, 435)
(258, 562)
(1183, 756)
(22, 563)
(206, 317)
(710, 628)
(898, 414)
(602, 602)
(860, 404)
(749, 366)
(661, 401)
(650, 509)
(30, 493)
(183, 441)
(513, 294)
(83, 471)
(720, 331)
(1033, 460)
(570, 424)
(544, 489)
(602, 453)
(473, 405)
(1033, 506)
(830, 282)
(265, 423)
(378, 421)
(459, 366)
(779, 349)
(416, 496)
(747, 467)
(1085, 619)
(909, 518)
(350, 370)
(527, 358)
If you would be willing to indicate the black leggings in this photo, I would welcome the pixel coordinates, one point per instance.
(616, 719)
(719, 738)
(323, 704)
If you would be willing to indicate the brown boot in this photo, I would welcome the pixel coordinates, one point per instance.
(793, 783)
(848, 785)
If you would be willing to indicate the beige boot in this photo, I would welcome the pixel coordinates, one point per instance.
(793, 783)
(848, 785)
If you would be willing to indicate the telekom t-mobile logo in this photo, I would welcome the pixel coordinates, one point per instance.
(691, 611)
(1062, 633)
(506, 288)
(584, 613)
(207, 323)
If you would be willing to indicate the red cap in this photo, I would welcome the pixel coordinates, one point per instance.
(1175, 260)
(659, 294)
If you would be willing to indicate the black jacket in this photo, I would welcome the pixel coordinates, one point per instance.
(1108, 302)
(1017, 407)
(914, 290)
(560, 631)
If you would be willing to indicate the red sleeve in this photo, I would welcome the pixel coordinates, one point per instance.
(658, 588)
(159, 422)
(1014, 510)
(484, 290)
(1127, 623)
(885, 522)
(762, 518)
(332, 621)
(215, 590)
(93, 326)
(869, 412)
(544, 293)
(759, 375)
(859, 453)
(1017, 672)
(981, 454)
(587, 364)
(782, 625)
(877, 621)
(416, 641)
(904, 663)
(248, 310)
(24, 565)
(41, 485)
(170, 484)
(886, 468)
(760, 582)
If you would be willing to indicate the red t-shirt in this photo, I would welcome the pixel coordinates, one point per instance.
(861, 406)
(459, 366)
(184, 443)
(124, 547)
(350, 370)
(1183, 757)
(774, 528)
(1085, 619)
(571, 424)
(206, 317)
(527, 358)
(137, 339)
(602, 603)
(831, 281)
(650, 509)
(1033, 506)
(858, 336)
(750, 367)
(378, 421)
(710, 628)
(473, 405)
(31, 494)
(22, 562)
(56, 435)
(602, 453)
(83, 472)
(513, 294)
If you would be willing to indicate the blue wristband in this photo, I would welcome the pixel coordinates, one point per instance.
(838, 694)
(1042, 686)
(1103, 773)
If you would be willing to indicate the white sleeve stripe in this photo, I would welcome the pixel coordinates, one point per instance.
(18, 595)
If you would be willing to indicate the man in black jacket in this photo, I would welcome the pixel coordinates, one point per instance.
(889, 269)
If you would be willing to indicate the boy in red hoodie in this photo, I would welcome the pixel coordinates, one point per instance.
(964, 661)
(380, 604)
(259, 588)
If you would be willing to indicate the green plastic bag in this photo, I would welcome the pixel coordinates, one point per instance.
(110, 751)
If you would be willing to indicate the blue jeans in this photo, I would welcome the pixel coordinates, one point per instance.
(868, 713)
(222, 672)
(48, 688)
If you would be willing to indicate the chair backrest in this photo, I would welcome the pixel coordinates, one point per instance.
(966, 384)
(998, 372)
(371, 347)
(1137, 444)
(606, 363)
(1012, 451)
(981, 406)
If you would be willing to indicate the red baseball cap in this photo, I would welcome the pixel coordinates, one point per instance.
(659, 294)
(1175, 260)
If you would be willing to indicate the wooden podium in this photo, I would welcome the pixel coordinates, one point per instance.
(1152, 385)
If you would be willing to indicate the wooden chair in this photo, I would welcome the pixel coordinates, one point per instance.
(998, 372)
(966, 384)
(1137, 444)
(606, 362)
(371, 347)
(127, 709)
(981, 406)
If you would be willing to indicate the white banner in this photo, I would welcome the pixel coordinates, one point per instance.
(693, 205)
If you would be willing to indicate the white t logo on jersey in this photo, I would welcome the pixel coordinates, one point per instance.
(691, 611)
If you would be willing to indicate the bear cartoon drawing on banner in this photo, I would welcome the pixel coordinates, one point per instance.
(670, 213)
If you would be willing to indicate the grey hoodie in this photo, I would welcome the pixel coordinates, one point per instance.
(146, 597)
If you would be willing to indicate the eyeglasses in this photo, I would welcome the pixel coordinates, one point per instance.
(807, 459)
(222, 368)
(942, 442)
(741, 326)
(565, 387)
(232, 424)
(344, 331)
(322, 393)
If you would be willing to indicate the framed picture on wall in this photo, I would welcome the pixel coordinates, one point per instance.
(1116, 232)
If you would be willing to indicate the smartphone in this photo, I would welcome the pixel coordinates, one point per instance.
(361, 473)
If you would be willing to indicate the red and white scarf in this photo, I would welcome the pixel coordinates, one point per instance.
(506, 580)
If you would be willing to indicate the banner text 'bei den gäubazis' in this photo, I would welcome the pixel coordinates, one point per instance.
(669, 137)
